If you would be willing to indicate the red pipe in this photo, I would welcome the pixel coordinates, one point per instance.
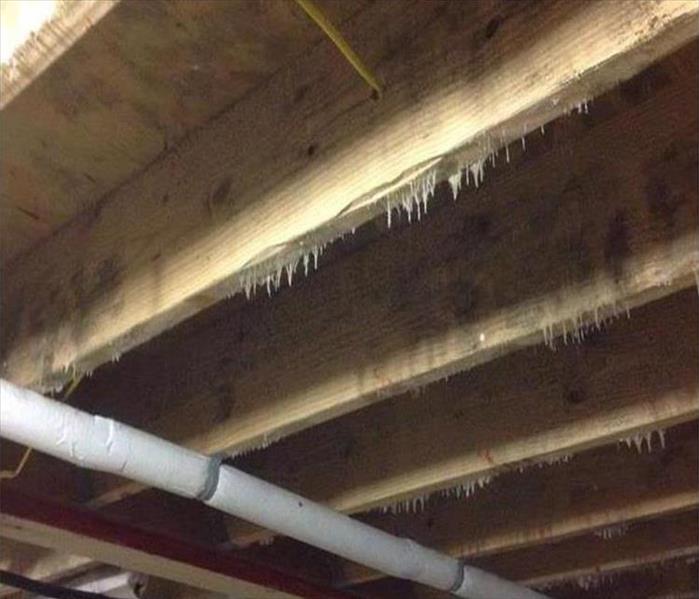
(92, 524)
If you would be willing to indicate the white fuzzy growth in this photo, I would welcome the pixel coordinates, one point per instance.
(478, 172)
(270, 275)
(575, 329)
(267, 440)
(418, 503)
(545, 462)
(589, 582)
(553, 460)
(406, 506)
(612, 532)
(412, 197)
(468, 487)
(266, 541)
(455, 184)
(582, 107)
(639, 439)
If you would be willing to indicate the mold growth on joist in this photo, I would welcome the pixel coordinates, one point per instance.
(409, 195)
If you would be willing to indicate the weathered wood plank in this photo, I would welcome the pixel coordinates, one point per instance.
(69, 22)
(593, 556)
(309, 156)
(597, 489)
(589, 562)
(640, 374)
(127, 90)
(445, 294)
(678, 579)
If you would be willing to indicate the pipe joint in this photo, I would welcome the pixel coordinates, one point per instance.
(213, 473)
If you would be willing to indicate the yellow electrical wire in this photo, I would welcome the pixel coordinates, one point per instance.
(10, 474)
(314, 12)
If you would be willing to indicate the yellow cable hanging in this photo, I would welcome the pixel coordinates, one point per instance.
(314, 12)
(10, 474)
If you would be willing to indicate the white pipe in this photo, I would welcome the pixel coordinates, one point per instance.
(103, 444)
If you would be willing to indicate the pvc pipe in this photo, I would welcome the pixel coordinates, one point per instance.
(268, 506)
(103, 444)
(100, 443)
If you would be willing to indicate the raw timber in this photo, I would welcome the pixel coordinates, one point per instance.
(448, 293)
(592, 492)
(592, 564)
(309, 156)
(151, 71)
(462, 311)
(549, 408)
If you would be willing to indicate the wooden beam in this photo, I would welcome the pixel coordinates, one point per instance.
(140, 80)
(69, 23)
(598, 489)
(413, 307)
(631, 547)
(81, 532)
(589, 562)
(678, 579)
(310, 156)
(619, 383)
(38, 563)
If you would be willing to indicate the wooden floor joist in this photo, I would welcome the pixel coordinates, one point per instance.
(310, 155)
(678, 579)
(510, 378)
(131, 86)
(598, 489)
(530, 406)
(640, 544)
(587, 561)
(67, 24)
(445, 294)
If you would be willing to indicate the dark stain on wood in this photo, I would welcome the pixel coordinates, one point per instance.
(577, 256)
(465, 296)
(225, 401)
(644, 85)
(576, 396)
(300, 94)
(108, 275)
(221, 192)
(662, 201)
(616, 248)
(492, 27)
(679, 161)
(348, 449)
